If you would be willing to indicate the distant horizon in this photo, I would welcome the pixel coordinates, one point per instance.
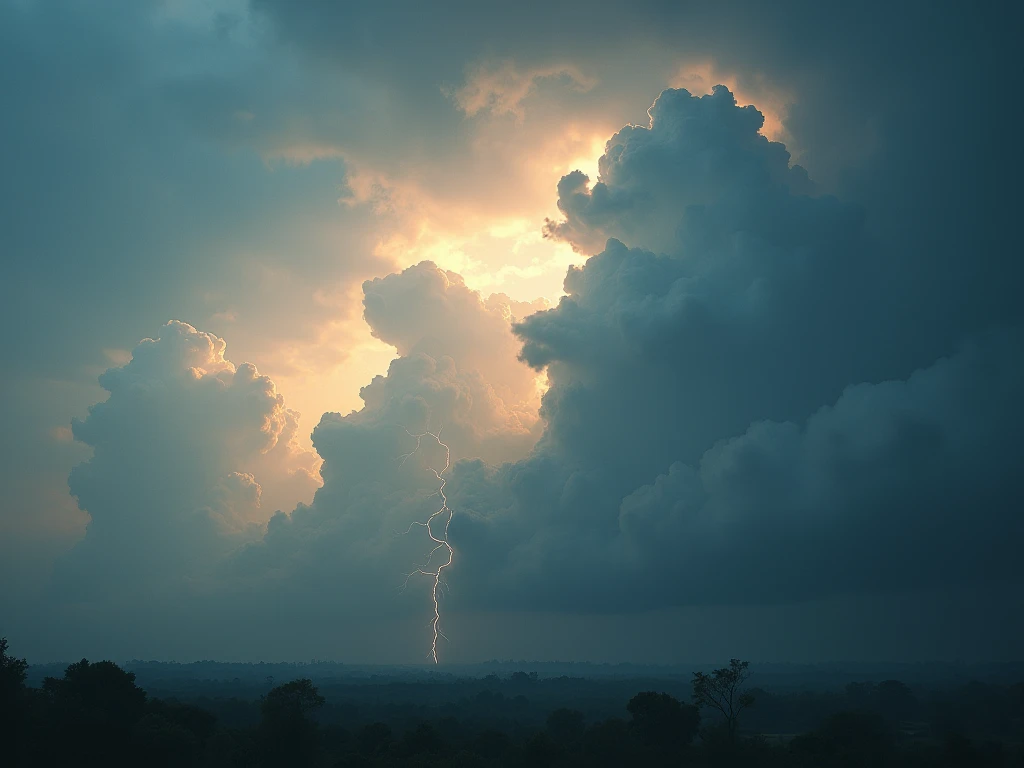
(440, 669)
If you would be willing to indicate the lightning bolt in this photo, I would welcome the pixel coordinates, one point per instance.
(445, 513)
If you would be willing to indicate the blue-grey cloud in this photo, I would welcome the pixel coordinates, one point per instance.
(807, 375)
(112, 198)
(766, 361)
(694, 153)
(897, 485)
(728, 403)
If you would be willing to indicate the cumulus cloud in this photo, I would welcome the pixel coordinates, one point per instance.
(193, 454)
(740, 397)
(764, 360)
(694, 152)
(754, 308)
(430, 311)
(897, 485)
(189, 455)
(453, 345)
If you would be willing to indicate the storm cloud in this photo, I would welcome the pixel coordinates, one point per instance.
(700, 413)
(786, 367)
(754, 364)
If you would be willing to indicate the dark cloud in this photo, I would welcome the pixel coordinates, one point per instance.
(756, 309)
(766, 362)
(695, 152)
(898, 485)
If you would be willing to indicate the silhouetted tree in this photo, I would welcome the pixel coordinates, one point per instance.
(287, 733)
(722, 690)
(101, 687)
(12, 673)
(93, 712)
(12, 706)
(96, 715)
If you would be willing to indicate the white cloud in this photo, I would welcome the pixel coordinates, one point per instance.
(189, 454)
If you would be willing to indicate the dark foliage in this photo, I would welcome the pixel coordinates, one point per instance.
(13, 703)
(722, 690)
(662, 726)
(288, 736)
(97, 715)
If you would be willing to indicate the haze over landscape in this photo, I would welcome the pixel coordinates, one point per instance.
(716, 307)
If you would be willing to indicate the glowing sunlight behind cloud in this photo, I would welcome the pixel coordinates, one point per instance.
(755, 88)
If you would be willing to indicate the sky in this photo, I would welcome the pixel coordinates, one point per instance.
(715, 305)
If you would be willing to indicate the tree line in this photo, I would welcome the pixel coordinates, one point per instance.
(96, 715)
